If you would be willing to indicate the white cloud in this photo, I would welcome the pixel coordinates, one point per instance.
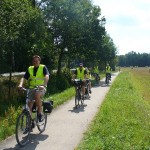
(127, 23)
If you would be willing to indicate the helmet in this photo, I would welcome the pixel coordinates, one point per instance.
(80, 64)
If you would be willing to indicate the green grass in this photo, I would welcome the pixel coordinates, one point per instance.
(123, 121)
(62, 97)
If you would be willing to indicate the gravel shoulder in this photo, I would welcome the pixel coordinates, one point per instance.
(66, 124)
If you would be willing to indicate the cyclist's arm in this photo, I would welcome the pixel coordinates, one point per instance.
(85, 74)
(74, 75)
(26, 76)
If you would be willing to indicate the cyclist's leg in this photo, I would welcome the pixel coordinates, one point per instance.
(37, 96)
(110, 75)
(106, 78)
(31, 98)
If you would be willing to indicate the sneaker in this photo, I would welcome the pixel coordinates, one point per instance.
(40, 117)
(26, 131)
(90, 91)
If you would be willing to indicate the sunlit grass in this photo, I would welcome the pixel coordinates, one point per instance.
(123, 121)
(62, 97)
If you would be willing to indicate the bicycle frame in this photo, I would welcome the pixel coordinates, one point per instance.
(78, 86)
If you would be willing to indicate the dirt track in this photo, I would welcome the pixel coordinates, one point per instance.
(65, 126)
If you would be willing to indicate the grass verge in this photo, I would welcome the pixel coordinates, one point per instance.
(123, 121)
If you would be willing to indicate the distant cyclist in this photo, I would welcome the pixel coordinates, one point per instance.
(108, 70)
(89, 77)
(81, 73)
(36, 75)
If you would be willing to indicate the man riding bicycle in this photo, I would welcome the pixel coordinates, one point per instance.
(108, 71)
(36, 75)
(80, 73)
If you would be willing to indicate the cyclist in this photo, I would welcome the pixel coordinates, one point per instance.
(80, 73)
(96, 74)
(89, 77)
(108, 70)
(36, 75)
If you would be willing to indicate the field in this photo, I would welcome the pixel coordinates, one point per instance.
(123, 121)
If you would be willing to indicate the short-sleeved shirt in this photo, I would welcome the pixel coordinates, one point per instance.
(45, 72)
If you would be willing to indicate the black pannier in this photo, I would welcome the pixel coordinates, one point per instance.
(47, 106)
(34, 107)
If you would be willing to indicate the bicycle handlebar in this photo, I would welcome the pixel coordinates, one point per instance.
(26, 89)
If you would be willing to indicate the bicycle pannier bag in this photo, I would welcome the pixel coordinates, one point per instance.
(34, 107)
(47, 106)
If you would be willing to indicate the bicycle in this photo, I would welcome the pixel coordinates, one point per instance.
(28, 120)
(78, 98)
(108, 78)
(97, 78)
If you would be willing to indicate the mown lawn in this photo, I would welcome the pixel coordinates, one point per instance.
(123, 121)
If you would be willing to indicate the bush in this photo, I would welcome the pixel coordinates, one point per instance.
(58, 83)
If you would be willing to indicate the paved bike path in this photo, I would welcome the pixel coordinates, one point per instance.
(65, 126)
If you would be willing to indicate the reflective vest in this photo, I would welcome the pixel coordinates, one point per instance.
(88, 74)
(96, 69)
(80, 74)
(108, 69)
(38, 79)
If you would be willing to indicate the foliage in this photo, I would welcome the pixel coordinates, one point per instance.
(134, 59)
(7, 122)
(58, 83)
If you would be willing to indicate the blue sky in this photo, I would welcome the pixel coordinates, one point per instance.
(127, 23)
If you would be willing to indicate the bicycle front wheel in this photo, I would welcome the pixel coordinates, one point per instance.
(42, 125)
(23, 128)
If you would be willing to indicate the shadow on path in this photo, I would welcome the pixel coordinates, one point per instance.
(79, 109)
(33, 142)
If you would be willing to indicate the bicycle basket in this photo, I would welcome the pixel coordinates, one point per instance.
(47, 106)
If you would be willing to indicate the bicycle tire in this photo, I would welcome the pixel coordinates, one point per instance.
(107, 80)
(76, 99)
(42, 125)
(23, 125)
(88, 89)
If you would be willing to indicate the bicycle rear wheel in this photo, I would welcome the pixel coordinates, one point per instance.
(76, 100)
(42, 125)
(77, 97)
(23, 128)
(107, 80)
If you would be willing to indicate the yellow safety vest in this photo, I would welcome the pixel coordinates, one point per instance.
(38, 79)
(88, 74)
(108, 69)
(80, 74)
(96, 69)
